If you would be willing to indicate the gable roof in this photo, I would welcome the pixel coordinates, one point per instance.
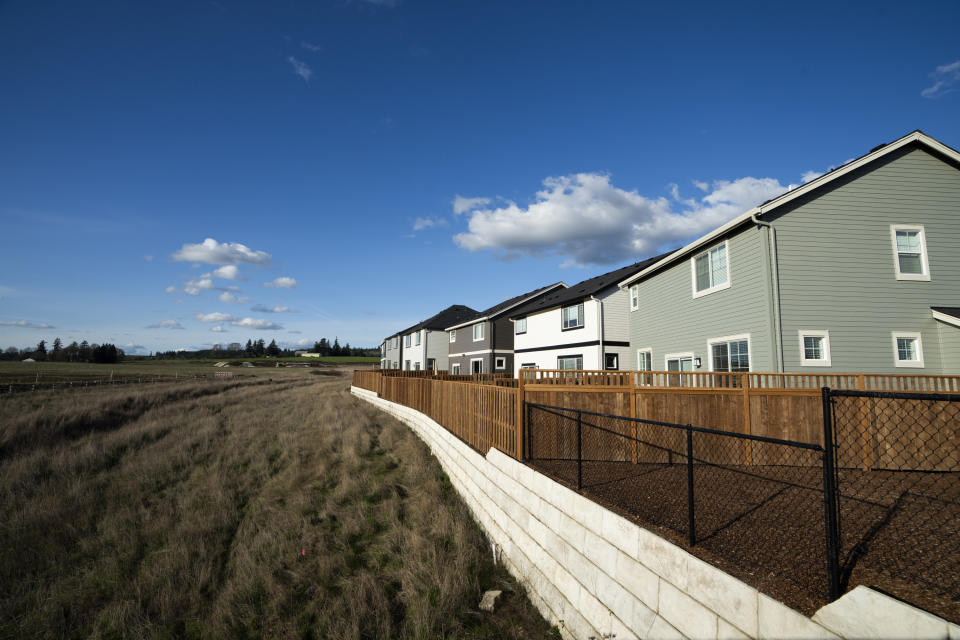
(584, 289)
(876, 153)
(501, 308)
(452, 314)
(950, 315)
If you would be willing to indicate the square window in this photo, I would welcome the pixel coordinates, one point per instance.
(814, 348)
(710, 271)
(909, 252)
(907, 349)
(455, 369)
(611, 361)
(500, 363)
(416, 366)
(476, 366)
(520, 326)
(478, 332)
(572, 317)
(730, 354)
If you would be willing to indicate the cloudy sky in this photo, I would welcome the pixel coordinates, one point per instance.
(178, 174)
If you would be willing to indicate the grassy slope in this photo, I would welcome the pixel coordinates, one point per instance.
(182, 511)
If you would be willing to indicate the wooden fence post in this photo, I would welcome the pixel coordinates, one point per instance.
(518, 450)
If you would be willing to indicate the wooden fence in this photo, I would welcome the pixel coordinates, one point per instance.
(485, 412)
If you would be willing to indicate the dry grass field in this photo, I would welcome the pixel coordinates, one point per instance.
(274, 505)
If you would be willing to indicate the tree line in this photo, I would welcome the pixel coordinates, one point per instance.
(73, 352)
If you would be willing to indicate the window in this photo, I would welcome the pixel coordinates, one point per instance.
(529, 365)
(814, 348)
(907, 349)
(406, 340)
(455, 369)
(909, 252)
(406, 365)
(570, 362)
(711, 271)
(679, 362)
(572, 317)
(416, 366)
(730, 354)
(520, 326)
(634, 297)
(416, 339)
(644, 359)
(611, 361)
(500, 363)
(453, 336)
(431, 364)
(476, 365)
(478, 332)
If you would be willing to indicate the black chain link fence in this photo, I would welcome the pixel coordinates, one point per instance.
(897, 459)
(783, 516)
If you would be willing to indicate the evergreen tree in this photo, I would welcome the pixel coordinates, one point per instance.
(57, 353)
(84, 352)
(335, 350)
(41, 352)
(273, 350)
(249, 348)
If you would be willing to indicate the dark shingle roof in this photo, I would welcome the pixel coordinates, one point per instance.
(507, 305)
(586, 288)
(948, 311)
(451, 315)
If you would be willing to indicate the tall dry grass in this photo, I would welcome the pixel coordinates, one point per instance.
(185, 511)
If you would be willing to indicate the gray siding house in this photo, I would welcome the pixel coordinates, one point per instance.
(484, 343)
(855, 271)
(424, 345)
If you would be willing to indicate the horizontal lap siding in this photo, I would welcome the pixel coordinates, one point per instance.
(837, 263)
(949, 347)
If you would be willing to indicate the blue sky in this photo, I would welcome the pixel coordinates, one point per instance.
(187, 173)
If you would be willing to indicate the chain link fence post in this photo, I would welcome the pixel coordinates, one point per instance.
(830, 501)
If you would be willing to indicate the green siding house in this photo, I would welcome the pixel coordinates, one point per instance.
(855, 271)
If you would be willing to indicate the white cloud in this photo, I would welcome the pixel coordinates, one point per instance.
(216, 316)
(226, 272)
(227, 297)
(703, 186)
(425, 223)
(294, 331)
(166, 324)
(315, 48)
(462, 205)
(946, 77)
(194, 287)
(281, 283)
(171, 289)
(27, 325)
(148, 258)
(265, 309)
(217, 329)
(256, 323)
(810, 175)
(586, 219)
(212, 252)
(300, 68)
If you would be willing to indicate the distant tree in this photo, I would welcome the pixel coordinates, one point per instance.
(273, 350)
(84, 352)
(345, 351)
(41, 352)
(71, 352)
(249, 348)
(105, 354)
(57, 354)
(324, 347)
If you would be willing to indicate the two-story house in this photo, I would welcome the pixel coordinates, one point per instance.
(391, 353)
(584, 326)
(484, 343)
(424, 345)
(857, 270)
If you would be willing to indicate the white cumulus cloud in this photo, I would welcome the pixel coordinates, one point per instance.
(426, 223)
(165, 324)
(586, 219)
(281, 283)
(462, 205)
(261, 308)
(216, 316)
(226, 272)
(171, 289)
(946, 78)
(300, 68)
(212, 252)
(194, 287)
(256, 323)
(217, 329)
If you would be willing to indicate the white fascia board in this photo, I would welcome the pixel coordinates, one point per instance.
(943, 317)
(916, 136)
(513, 306)
(467, 323)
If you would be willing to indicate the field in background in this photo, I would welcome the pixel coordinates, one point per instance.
(268, 505)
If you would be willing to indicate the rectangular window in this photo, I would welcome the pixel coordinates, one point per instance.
(611, 361)
(520, 326)
(478, 332)
(406, 340)
(730, 354)
(406, 365)
(711, 271)
(416, 366)
(500, 363)
(455, 369)
(644, 359)
(529, 365)
(910, 252)
(453, 336)
(907, 349)
(634, 297)
(416, 339)
(572, 317)
(476, 365)
(431, 364)
(814, 348)
(570, 362)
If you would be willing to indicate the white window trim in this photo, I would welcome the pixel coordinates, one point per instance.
(416, 341)
(645, 350)
(455, 368)
(472, 360)
(677, 356)
(583, 318)
(516, 325)
(814, 333)
(616, 356)
(634, 300)
(500, 363)
(572, 356)
(475, 338)
(918, 363)
(453, 336)
(734, 338)
(693, 271)
(923, 252)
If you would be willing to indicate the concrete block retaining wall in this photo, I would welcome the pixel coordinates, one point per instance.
(594, 574)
